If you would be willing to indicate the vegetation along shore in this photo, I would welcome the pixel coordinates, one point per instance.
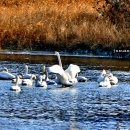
(68, 25)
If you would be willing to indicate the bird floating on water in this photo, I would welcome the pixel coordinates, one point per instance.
(6, 75)
(70, 75)
(105, 82)
(16, 87)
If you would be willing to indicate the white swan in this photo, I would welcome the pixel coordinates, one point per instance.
(27, 75)
(20, 79)
(28, 82)
(43, 72)
(71, 71)
(113, 79)
(43, 80)
(40, 83)
(105, 82)
(16, 87)
(102, 75)
(4, 74)
(27, 78)
(62, 77)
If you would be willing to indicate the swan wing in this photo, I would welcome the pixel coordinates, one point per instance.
(61, 74)
(56, 69)
(72, 70)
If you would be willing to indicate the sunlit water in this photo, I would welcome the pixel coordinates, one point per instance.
(82, 107)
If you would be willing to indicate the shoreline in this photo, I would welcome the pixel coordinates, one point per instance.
(48, 57)
(117, 54)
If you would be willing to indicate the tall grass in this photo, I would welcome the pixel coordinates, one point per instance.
(55, 24)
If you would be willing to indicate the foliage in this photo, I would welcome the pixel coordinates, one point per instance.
(66, 24)
(117, 11)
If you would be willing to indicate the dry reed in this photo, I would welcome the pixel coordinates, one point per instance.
(39, 25)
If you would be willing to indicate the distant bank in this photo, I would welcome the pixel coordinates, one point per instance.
(78, 26)
(49, 57)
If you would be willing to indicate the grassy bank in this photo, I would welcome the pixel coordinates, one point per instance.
(57, 25)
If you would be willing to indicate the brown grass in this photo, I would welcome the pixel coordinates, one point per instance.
(33, 24)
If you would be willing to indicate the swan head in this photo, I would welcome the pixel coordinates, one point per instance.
(56, 52)
(103, 71)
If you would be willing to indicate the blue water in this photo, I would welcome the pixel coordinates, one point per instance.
(82, 107)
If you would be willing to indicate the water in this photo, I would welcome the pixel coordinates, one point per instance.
(82, 107)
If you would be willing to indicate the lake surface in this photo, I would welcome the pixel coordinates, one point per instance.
(82, 107)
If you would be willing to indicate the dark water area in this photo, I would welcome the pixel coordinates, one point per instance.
(90, 61)
(82, 107)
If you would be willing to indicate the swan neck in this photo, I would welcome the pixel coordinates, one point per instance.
(43, 69)
(59, 60)
(26, 69)
(17, 80)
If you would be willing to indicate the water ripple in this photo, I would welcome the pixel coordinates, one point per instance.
(85, 106)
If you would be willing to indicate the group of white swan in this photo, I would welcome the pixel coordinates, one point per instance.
(107, 79)
(67, 77)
